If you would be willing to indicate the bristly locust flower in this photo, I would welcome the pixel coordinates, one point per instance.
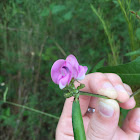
(63, 71)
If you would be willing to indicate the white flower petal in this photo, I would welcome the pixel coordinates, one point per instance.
(81, 78)
(61, 86)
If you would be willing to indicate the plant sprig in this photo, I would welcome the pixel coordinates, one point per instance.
(135, 13)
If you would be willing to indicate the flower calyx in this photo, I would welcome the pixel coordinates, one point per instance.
(72, 91)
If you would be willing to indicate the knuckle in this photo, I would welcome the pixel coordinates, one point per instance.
(98, 133)
(127, 87)
(114, 76)
(97, 76)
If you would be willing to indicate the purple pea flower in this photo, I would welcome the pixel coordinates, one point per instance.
(63, 71)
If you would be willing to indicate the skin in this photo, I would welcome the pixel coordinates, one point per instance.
(102, 125)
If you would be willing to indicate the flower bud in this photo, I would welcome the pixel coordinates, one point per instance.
(67, 95)
(81, 86)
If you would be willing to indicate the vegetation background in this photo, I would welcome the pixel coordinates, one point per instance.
(34, 34)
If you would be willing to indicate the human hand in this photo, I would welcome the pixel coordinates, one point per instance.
(103, 124)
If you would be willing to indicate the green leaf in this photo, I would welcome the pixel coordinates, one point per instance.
(45, 12)
(58, 8)
(137, 52)
(68, 16)
(130, 72)
(98, 65)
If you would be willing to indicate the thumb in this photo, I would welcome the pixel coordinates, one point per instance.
(104, 121)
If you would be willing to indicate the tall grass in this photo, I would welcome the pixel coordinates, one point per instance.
(113, 46)
(125, 6)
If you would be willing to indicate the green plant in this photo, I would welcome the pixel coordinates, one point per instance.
(36, 33)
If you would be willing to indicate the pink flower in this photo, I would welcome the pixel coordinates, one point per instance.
(63, 71)
(78, 70)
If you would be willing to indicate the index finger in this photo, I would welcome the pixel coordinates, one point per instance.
(94, 83)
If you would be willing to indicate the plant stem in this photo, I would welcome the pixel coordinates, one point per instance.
(92, 94)
(130, 25)
(108, 34)
(31, 109)
(135, 93)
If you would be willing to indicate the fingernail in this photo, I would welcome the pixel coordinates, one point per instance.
(105, 109)
(120, 88)
(108, 90)
(138, 122)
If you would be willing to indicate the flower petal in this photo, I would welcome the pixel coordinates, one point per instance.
(64, 81)
(70, 70)
(85, 68)
(63, 71)
(81, 72)
(55, 70)
(73, 61)
(81, 78)
(61, 86)
(75, 73)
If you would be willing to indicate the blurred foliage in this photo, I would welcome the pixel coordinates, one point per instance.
(33, 34)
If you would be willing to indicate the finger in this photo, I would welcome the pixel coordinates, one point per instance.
(94, 83)
(132, 124)
(116, 81)
(98, 83)
(92, 104)
(64, 127)
(104, 121)
(126, 105)
(67, 109)
(131, 102)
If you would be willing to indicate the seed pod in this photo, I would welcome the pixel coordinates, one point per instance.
(77, 121)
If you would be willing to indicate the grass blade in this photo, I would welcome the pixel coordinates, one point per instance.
(5, 94)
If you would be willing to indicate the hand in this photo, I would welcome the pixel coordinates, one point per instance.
(103, 124)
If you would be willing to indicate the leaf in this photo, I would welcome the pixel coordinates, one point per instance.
(137, 52)
(45, 12)
(129, 72)
(68, 16)
(98, 65)
(116, 3)
(58, 8)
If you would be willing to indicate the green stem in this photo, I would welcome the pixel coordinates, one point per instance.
(135, 93)
(91, 94)
(130, 25)
(107, 32)
(31, 109)
(25, 107)
(77, 121)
